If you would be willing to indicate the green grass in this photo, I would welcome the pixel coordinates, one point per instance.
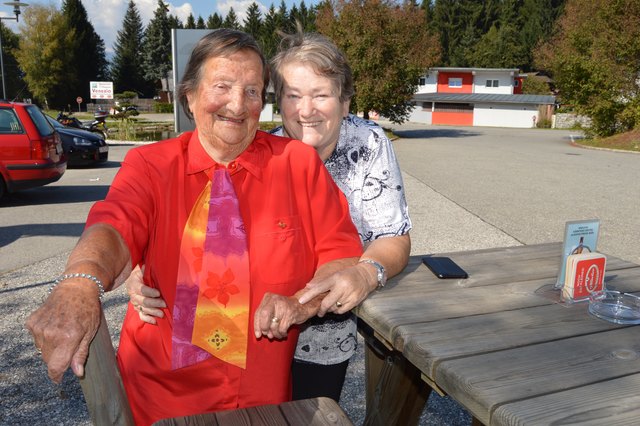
(628, 141)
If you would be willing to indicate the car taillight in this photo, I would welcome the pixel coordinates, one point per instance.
(41, 148)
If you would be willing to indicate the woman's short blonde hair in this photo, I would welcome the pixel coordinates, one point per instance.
(320, 53)
(218, 43)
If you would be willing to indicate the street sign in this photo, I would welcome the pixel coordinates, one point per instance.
(101, 89)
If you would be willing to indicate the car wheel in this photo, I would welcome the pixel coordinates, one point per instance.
(3, 187)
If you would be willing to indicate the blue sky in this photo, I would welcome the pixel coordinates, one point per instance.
(106, 15)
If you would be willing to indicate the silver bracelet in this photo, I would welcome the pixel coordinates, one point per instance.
(79, 275)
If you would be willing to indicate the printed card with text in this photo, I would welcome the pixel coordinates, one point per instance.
(585, 275)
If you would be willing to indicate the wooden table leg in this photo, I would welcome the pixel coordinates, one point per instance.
(395, 393)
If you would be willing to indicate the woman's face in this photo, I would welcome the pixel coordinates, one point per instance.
(311, 109)
(227, 102)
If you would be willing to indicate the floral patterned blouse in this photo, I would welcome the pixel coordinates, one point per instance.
(365, 168)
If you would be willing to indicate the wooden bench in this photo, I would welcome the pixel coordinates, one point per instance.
(108, 404)
(313, 412)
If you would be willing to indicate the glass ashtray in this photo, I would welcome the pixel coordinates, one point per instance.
(615, 307)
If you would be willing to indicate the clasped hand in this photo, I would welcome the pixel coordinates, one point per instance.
(343, 290)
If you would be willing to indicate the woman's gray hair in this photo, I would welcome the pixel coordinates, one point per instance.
(218, 43)
(320, 53)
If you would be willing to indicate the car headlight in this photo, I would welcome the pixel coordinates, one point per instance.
(81, 141)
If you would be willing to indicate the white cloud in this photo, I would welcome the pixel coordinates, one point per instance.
(239, 7)
(106, 15)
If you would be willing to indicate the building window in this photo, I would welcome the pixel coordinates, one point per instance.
(492, 83)
(422, 81)
(453, 107)
(516, 83)
(426, 106)
(455, 82)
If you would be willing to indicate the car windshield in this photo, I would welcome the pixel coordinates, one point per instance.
(54, 123)
(38, 117)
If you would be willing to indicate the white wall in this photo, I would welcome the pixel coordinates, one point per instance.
(267, 113)
(431, 84)
(505, 83)
(504, 115)
(420, 115)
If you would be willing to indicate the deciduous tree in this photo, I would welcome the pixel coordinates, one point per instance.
(594, 57)
(42, 53)
(388, 47)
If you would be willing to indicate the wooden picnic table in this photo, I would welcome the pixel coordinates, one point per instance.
(501, 343)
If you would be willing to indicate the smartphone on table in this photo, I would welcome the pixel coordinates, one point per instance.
(444, 267)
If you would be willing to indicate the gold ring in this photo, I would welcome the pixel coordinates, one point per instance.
(339, 305)
(39, 351)
(275, 320)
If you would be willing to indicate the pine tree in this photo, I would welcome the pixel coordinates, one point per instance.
(269, 38)
(456, 20)
(214, 22)
(174, 22)
(253, 21)
(283, 19)
(157, 46)
(191, 22)
(87, 49)
(294, 15)
(231, 21)
(307, 17)
(200, 24)
(126, 69)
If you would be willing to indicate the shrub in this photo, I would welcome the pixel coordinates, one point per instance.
(163, 107)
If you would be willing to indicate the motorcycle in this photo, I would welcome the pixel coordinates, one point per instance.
(98, 125)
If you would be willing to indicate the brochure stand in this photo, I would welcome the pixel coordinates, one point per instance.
(578, 235)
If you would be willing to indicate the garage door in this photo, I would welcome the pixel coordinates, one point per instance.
(453, 114)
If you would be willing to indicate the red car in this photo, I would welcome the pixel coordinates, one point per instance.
(31, 151)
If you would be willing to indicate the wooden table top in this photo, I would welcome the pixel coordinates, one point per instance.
(503, 345)
(313, 412)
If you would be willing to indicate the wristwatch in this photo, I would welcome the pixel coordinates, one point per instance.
(382, 273)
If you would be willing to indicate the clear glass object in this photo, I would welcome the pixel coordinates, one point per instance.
(615, 307)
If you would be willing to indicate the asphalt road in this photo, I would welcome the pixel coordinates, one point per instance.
(467, 188)
(522, 183)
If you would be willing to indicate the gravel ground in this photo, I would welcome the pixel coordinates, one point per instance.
(27, 396)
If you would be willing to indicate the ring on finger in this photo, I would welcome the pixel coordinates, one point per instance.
(339, 304)
(140, 308)
(275, 320)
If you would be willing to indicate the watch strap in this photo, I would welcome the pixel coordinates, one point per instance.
(382, 272)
